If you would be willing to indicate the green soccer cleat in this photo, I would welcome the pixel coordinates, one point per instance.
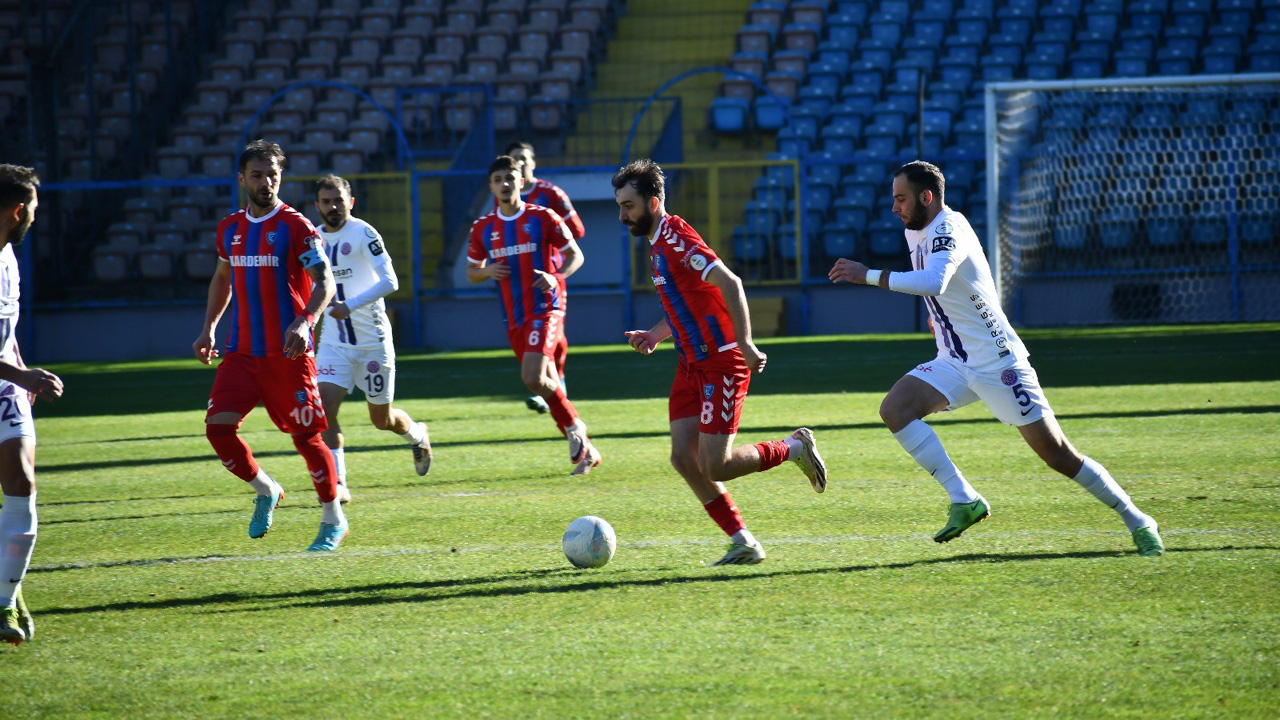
(10, 630)
(742, 554)
(962, 517)
(1148, 541)
(264, 507)
(329, 537)
(25, 621)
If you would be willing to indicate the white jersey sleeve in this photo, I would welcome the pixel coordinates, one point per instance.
(952, 273)
(361, 268)
(9, 304)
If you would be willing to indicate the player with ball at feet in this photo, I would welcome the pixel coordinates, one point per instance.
(980, 357)
(706, 313)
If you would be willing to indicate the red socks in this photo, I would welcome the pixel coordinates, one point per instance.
(320, 462)
(772, 453)
(232, 451)
(725, 513)
(561, 409)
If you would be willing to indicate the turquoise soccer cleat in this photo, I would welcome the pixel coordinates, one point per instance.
(962, 517)
(264, 507)
(329, 537)
(1148, 541)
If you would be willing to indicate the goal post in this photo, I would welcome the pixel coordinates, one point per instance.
(1135, 200)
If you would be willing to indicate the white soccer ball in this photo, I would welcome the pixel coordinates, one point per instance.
(589, 542)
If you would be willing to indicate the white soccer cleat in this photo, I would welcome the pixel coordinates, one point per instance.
(809, 460)
(578, 442)
(590, 460)
(422, 453)
(751, 553)
(343, 494)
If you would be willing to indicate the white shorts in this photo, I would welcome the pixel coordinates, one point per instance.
(1013, 394)
(371, 367)
(15, 413)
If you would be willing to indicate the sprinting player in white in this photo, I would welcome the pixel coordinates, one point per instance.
(19, 386)
(980, 357)
(356, 346)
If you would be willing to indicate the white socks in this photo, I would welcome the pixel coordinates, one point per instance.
(1095, 478)
(263, 484)
(415, 436)
(17, 541)
(918, 439)
(743, 537)
(331, 512)
(793, 446)
(340, 462)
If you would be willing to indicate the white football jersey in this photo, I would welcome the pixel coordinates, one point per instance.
(968, 323)
(359, 259)
(9, 294)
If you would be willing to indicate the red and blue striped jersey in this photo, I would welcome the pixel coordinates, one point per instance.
(269, 286)
(550, 196)
(695, 309)
(527, 241)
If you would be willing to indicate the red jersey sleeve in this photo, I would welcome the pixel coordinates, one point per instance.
(475, 244)
(561, 235)
(559, 201)
(219, 240)
(687, 253)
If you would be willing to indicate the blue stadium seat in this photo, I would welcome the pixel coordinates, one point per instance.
(839, 241)
(1042, 69)
(887, 34)
(730, 115)
(1257, 229)
(801, 36)
(806, 121)
(899, 10)
(762, 218)
(1164, 228)
(1131, 66)
(1209, 224)
(770, 192)
(809, 11)
(825, 168)
(785, 240)
(752, 63)
(793, 142)
(961, 74)
(849, 212)
(885, 242)
(756, 38)
(812, 99)
(926, 33)
(839, 139)
(782, 175)
(749, 247)
(827, 77)
(941, 10)
(1220, 61)
(766, 13)
(859, 194)
(1069, 235)
(770, 113)
(843, 29)
(846, 116)
(784, 84)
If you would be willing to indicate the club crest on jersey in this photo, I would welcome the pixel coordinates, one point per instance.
(943, 242)
(537, 324)
(1009, 377)
(944, 228)
(373, 366)
(708, 390)
(301, 395)
(346, 248)
(271, 238)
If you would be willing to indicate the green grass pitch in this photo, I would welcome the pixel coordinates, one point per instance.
(451, 597)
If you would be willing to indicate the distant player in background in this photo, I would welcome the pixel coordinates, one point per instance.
(514, 246)
(706, 313)
(356, 347)
(980, 357)
(270, 256)
(19, 386)
(548, 195)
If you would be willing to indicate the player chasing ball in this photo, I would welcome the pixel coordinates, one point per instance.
(980, 357)
(514, 245)
(356, 347)
(705, 312)
(270, 256)
(19, 387)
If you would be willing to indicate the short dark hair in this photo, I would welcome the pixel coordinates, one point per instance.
(645, 176)
(924, 176)
(17, 185)
(520, 145)
(261, 150)
(503, 162)
(333, 182)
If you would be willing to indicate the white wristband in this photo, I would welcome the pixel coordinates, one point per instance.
(873, 277)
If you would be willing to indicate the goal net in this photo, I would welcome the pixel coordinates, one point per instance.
(1135, 201)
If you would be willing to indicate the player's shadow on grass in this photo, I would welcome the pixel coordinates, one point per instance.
(642, 434)
(577, 581)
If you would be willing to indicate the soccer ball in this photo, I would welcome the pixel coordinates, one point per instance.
(589, 542)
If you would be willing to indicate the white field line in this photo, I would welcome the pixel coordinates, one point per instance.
(639, 544)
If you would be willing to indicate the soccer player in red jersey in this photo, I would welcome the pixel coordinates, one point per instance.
(270, 256)
(548, 195)
(706, 313)
(514, 246)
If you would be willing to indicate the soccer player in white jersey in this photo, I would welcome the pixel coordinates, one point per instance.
(19, 386)
(980, 357)
(356, 346)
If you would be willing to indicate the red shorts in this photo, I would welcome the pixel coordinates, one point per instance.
(287, 388)
(711, 390)
(540, 334)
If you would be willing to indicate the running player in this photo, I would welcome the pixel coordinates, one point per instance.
(980, 357)
(548, 195)
(19, 386)
(356, 346)
(514, 245)
(706, 313)
(269, 257)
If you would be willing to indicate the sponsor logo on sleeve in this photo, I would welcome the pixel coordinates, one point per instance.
(697, 262)
(315, 242)
(944, 228)
(371, 233)
(375, 247)
(943, 242)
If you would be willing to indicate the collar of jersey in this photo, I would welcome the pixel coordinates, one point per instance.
(918, 235)
(266, 217)
(654, 240)
(498, 211)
